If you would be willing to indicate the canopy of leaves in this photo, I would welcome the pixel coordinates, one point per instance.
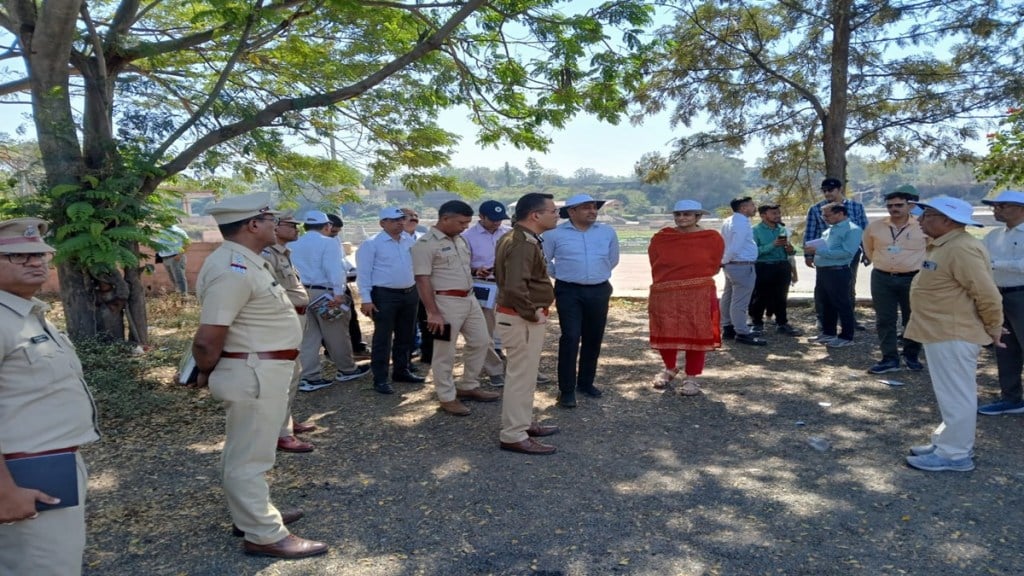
(1004, 163)
(914, 78)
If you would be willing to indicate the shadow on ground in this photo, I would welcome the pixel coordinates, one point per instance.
(644, 482)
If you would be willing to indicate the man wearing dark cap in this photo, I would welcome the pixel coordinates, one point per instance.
(895, 245)
(482, 238)
(832, 190)
(245, 351)
(46, 412)
(581, 254)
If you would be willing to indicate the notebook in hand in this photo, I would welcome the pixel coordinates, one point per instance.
(54, 474)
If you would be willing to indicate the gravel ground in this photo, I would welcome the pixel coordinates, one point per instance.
(645, 482)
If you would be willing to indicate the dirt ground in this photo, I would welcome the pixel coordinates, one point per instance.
(645, 482)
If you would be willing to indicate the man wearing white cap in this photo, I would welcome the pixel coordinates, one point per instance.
(1006, 248)
(580, 254)
(46, 411)
(245, 351)
(387, 288)
(317, 256)
(957, 309)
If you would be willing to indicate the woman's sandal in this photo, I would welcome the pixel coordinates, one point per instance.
(690, 387)
(664, 378)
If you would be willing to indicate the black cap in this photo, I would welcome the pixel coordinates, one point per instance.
(831, 183)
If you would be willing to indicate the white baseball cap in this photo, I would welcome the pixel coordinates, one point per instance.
(391, 213)
(953, 208)
(689, 206)
(1006, 197)
(315, 217)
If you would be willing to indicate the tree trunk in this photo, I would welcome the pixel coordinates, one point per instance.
(834, 125)
(100, 306)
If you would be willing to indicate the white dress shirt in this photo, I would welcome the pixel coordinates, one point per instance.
(1006, 249)
(739, 239)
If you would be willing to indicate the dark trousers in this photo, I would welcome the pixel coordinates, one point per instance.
(818, 298)
(1010, 360)
(354, 331)
(426, 339)
(395, 316)
(582, 315)
(771, 289)
(836, 305)
(890, 296)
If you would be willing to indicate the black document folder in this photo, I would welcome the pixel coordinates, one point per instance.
(54, 474)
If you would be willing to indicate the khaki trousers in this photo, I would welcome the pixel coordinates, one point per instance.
(523, 343)
(466, 318)
(50, 545)
(293, 388)
(255, 393)
(333, 334)
(953, 367)
(493, 365)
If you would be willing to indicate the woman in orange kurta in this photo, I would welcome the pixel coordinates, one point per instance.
(683, 305)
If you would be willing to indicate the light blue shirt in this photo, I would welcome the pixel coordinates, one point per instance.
(317, 259)
(384, 261)
(843, 242)
(581, 257)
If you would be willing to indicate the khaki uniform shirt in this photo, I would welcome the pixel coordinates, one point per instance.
(522, 274)
(953, 296)
(44, 401)
(895, 248)
(446, 260)
(237, 289)
(280, 260)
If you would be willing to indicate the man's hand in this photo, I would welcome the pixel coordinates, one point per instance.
(542, 318)
(780, 241)
(202, 380)
(19, 503)
(337, 300)
(809, 262)
(435, 322)
(997, 338)
(368, 309)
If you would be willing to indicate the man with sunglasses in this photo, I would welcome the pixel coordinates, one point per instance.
(1006, 248)
(45, 408)
(832, 190)
(896, 246)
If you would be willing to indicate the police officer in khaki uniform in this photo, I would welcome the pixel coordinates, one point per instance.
(279, 256)
(245, 350)
(45, 408)
(524, 295)
(440, 260)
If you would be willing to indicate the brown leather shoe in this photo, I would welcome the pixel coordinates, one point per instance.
(455, 407)
(528, 446)
(478, 395)
(293, 444)
(287, 517)
(536, 430)
(289, 547)
(303, 427)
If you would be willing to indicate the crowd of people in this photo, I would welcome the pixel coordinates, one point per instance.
(272, 300)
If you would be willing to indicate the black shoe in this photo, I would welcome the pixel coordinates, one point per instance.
(789, 330)
(728, 332)
(383, 388)
(567, 400)
(757, 329)
(751, 340)
(913, 364)
(592, 391)
(407, 377)
(860, 326)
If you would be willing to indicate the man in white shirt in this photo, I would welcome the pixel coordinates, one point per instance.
(738, 265)
(1006, 248)
(317, 258)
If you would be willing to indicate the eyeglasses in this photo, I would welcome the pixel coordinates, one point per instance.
(273, 219)
(289, 224)
(22, 259)
(901, 205)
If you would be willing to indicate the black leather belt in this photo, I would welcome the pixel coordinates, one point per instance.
(317, 287)
(1009, 289)
(395, 290)
(578, 284)
(841, 267)
(897, 274)
(779, 263)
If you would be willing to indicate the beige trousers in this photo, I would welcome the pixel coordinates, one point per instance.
(523, 343)
(334, 336)
(953, 367)
(493, 365)
(50, 545)
(255, 393)
(293, 388)
(466, 318)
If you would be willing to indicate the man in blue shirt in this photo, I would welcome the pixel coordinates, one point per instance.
(387, 289)
(832, 254)
(832, 189)
(580, 256)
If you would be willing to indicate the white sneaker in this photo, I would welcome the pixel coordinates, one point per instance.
(822, 339)
(311, 385)
(346, 376)
(839, 343)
